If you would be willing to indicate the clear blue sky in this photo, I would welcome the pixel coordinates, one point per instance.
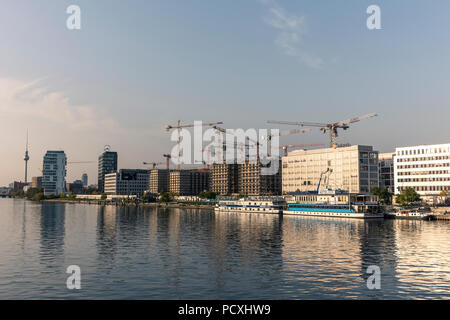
(136, 66)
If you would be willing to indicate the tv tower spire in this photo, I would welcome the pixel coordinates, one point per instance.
(26, 161)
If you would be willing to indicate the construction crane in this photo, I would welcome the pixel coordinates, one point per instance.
(168, 157)
(179, 126)
(330, 127)
(289, 146)
(321, 176)
(80, 162)
(153, 164)
(279, 134)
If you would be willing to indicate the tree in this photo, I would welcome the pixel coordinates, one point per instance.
(62, 195)
(39, 196)
(165, 197)
(383, 195)
(407, 196)
(32, 192)
(207, 195)
(104, 196)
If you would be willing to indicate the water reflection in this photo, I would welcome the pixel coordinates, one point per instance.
(52, 233)
(151, 253)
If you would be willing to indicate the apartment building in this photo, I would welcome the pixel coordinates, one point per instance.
(386, 170)
(127, 182)
(107, 163)
(54, 173)
(352, 168)
(424, 168)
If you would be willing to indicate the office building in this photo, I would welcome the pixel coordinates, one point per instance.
(127, 182)
(54, 173)
(253, 180)
(107, 163)
(189, 182)
(353, 168)
(84, 178)
(386, 171)
(424, 168)
(159, 181)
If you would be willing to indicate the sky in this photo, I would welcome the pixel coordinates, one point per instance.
(136, 66)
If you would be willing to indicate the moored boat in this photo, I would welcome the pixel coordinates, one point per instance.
(270, 205)
(411, 215)
(334, 203)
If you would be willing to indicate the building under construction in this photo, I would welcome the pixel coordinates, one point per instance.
(253, 181)
(159, 180)
(224, 178)
(247, 179)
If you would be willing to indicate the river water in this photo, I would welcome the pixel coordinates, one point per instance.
(149, 253)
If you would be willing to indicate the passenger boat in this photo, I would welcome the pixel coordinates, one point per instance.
(270, 205)
(334, 203)
(411, 215)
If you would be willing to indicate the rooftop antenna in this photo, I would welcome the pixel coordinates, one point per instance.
(27, 157)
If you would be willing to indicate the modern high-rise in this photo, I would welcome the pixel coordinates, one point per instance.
(127, 182)
(424, 168)
(84, 178)
(54, 173)
(386, 171)
(353, 168)
(159, 181)
(107, 163)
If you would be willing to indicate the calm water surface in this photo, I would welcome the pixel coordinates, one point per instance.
(135, 253)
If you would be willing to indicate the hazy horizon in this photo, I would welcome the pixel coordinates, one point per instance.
(135, 67)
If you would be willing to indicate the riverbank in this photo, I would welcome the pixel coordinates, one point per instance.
(184, 205)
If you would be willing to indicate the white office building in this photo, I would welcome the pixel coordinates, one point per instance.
(54, 173)
(353, 168)
(426, 169)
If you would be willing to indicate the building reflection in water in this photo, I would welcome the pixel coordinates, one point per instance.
(52, 233)
(378, 248)
(328, 257)
(248, 254)
(106, 234)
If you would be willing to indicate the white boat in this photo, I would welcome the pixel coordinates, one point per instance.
(269, 205)
(410, 215)
(334, 203)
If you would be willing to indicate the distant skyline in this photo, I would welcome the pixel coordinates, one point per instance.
(136, 66)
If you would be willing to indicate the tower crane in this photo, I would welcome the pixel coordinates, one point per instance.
(179, 126)
(168, 157)
(153, 164)
(80, 162)
(286, 147)
(279, 134)
(330, 127)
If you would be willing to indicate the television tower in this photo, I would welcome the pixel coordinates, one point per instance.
(26, 161)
